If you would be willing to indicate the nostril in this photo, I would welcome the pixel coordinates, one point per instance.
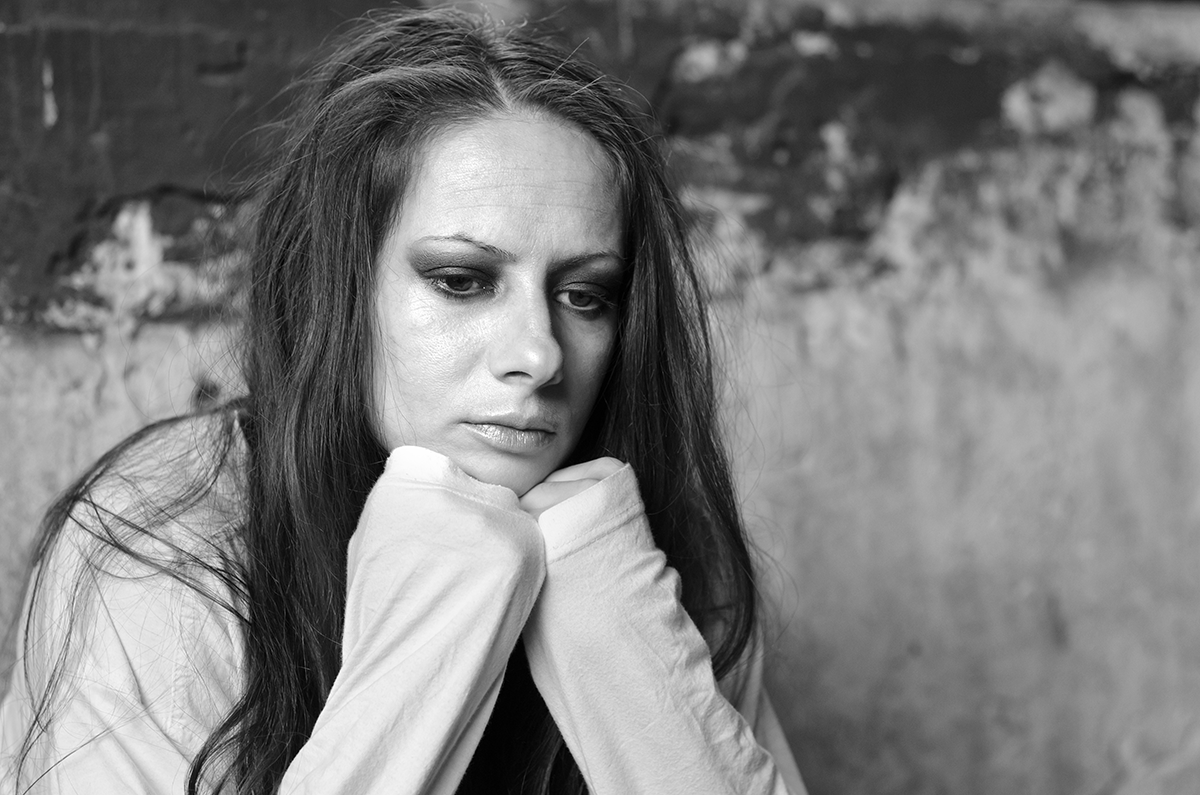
(527, 347)
(533, 357)
(541, 360)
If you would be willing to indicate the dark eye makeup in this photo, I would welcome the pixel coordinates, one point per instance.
(587, 299)
(457, 283)
(587, 288)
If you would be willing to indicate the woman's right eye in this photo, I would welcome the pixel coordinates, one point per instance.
(458, 285)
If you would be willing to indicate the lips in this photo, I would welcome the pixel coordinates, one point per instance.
(533, 421)
(512, 438)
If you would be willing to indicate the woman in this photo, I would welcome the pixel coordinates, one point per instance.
(471, 529)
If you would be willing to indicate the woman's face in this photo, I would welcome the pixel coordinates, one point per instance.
(497, 288)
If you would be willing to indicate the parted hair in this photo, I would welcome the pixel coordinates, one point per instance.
(349, 148)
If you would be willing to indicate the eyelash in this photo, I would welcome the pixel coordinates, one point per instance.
(481, 284)
(441, 283)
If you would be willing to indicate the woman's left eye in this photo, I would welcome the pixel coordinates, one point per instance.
(585, 301)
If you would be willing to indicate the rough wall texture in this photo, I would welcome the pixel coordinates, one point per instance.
(981, 472)
(103, 100)
(955, 248)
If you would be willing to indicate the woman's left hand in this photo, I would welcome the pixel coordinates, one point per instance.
(565, 483)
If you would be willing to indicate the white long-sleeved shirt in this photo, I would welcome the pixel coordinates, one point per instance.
(445, 573)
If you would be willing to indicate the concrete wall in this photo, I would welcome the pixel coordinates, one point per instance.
(956, 257)
(977, 479)
(106, 100)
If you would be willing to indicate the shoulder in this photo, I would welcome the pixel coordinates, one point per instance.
(171, 494)
(145, 545)
(131, 609)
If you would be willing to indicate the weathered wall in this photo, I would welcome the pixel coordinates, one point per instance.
(978, 476)
(956, 253)
(105, 100)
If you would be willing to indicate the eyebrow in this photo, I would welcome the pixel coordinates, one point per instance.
(508, 256)
(495, 251)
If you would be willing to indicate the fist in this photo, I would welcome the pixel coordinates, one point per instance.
(565, 483)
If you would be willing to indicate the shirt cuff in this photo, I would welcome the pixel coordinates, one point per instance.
(592, 514)
(412, 464)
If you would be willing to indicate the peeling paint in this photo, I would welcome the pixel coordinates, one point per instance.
(126, 279)
(1052, 101)
(728, 250)
(706, 60)
(49, 104)
(1141, 36)
(814, 44)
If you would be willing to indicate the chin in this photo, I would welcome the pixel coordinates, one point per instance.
(517, 475)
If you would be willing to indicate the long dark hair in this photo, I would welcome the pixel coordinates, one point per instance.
(314, 452)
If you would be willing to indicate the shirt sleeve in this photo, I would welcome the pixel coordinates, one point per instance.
(442, 573)
(149, 668)
(747, 692)
(626, 674)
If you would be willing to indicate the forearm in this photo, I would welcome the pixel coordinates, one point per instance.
(436, 600)
(622, 668)
(443, 572)
(416, 689)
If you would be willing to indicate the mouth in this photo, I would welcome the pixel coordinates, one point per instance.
(513, 435)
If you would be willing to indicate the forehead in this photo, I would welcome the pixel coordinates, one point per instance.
(513, 179)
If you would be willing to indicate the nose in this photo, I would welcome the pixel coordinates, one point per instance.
(526, 349)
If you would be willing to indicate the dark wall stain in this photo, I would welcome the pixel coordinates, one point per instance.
(900, 95)
(825, 120)
(107, 99)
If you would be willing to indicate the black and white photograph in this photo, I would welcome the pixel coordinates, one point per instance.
(599, 397)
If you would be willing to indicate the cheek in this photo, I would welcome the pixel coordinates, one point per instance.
(422, 364)
(588, 359)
